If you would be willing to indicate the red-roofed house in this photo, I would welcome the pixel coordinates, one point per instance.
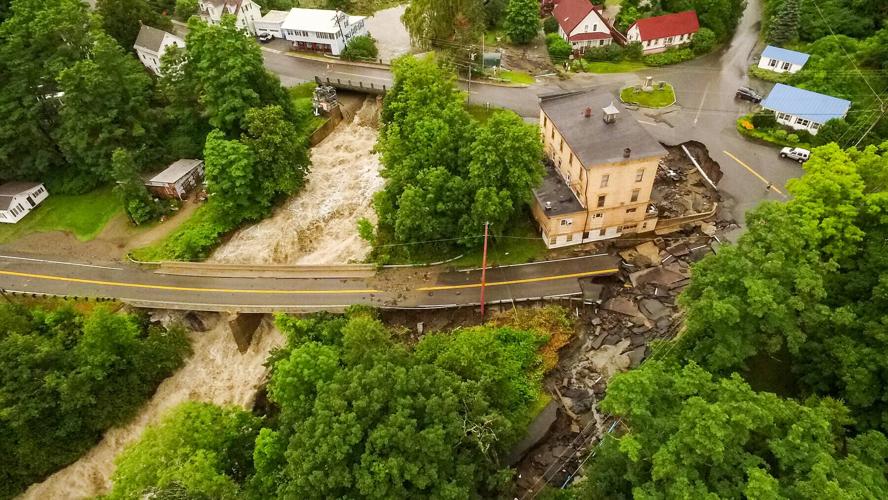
(657, 34)
(582, 24)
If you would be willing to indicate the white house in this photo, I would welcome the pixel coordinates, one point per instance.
(245, 11)
(659, 33)
(322, 30)
(151, 45)
(782, 60)
(271, 23)
(17, 199)
(582, 24)
(802, 109)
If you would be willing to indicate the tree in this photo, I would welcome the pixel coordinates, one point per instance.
(41, 38)
(559, 49)
(703, 41)
(104, 108)
(835, 130)
(696, 436)
(803, 287)
(199, 448)
(122, 19)
(363, 417)
(281, 152)
(550, 25)
(228, 65)
(360, 48)
(232, 182)
(522, 21)
(493, 11)
(183, 114)
(66, 376)
(784, 27)
(137, 201)
(450, 25)
(186, 8)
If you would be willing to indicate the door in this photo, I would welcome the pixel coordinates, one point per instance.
(31, 201)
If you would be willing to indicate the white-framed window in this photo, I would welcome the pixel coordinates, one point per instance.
(600, 42)
(786, 65)
(601, 199)
(803, 122)
(619, 229)
(604, 180)
(639, 175)
(602, 232)
(669, 39)
(815, 126)
(648, 43)
(635, 193)
(784, 116)
(772, 63)
(552, 240)
(567, 222)
(597, 215)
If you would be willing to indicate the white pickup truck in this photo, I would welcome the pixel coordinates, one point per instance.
(798, 154)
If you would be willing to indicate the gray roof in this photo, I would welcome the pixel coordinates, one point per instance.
(9, 190)
(818, 108)
(274, 16)
(150, 38)
(176, 171)
(593, 141)
(557, 193)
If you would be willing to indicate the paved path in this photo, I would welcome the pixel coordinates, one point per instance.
(28, 274)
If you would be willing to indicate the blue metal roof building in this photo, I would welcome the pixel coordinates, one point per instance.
(787, 55)
(818, 108)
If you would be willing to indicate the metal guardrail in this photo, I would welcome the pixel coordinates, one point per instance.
(209, 269)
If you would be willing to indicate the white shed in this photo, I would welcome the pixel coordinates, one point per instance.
(782, 60)
(17, 199)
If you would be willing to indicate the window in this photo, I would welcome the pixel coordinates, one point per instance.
(669, 40)
(772, 63)
(644, 225)
(594, 27)
(639, 175)
(815, 126)
(561, 146)
(552, 240)
(630, 210)
(597, 216)
(567, 222)
(786, 65)
(553, 133)
(783, 116)
(600, 42)
(569, 238)
(604, 180)
(545, 121)
(602, 232)
(2, 215)
(648, 43)
(635, 193)
(571, 162)
(601, 198)
(619, 229)
(803, 122)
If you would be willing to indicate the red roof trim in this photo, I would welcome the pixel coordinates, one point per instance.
(590, 36)
(680, 23)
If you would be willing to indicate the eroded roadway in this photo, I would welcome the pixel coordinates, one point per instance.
(29, 274)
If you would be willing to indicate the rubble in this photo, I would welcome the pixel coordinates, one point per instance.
(680, 189)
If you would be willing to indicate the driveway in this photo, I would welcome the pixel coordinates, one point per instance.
(391, 36)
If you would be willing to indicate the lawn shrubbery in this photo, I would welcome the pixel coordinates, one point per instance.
(759, 126)
(703, 41)
(671, 56)
(66, 377)
(360, 48)
(662, 95)
(559, 49)
(768, 75)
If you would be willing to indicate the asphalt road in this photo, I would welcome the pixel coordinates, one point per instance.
(28, 274)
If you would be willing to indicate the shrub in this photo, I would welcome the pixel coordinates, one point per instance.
(550, 25)
(559, 49)
(360, 48)
(671, 56)
(764, 119)
(793, 138)
(831, 131)
(595, 54)
(781, 134)
(186, 8)
(634, 51)
(703, 41)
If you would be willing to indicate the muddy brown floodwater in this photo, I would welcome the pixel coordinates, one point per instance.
(215, 373)
(319, 224)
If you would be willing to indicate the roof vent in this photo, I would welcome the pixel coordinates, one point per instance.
(627, 152)
(548, 205)
(588, 112)
(610, 113)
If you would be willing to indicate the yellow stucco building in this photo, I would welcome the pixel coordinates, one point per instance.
(603, 169)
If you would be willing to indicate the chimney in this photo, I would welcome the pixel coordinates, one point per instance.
(627, 152)
(588, 112)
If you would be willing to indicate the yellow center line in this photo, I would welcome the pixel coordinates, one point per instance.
(521, 281)
(185, 288)
(753, 172)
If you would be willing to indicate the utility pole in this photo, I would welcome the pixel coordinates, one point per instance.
(469, 84)
(484, 269)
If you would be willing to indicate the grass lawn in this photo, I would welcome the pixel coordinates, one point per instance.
(301, 96)
(611, 3)
(657, 98)
(491, 35)
(82, 215)
(516, 77)
(480, 113)
(521, 243)
(610, 67)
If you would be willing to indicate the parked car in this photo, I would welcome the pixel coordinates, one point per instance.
(265, 37)
(798, 154)
(748, 94)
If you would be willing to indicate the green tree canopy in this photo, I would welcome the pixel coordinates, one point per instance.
(360, 48)
(360, 416)
(198, 450)
(65, 377)
(692, 435)
(137, 201)
(122, 19)
(522, 22)
(451, 25)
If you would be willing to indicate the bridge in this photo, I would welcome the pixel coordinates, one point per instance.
(368, 85)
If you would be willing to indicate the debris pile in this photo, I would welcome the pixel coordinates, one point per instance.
(680, 188)
(628, 313)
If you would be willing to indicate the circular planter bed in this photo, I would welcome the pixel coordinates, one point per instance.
(660, 96)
